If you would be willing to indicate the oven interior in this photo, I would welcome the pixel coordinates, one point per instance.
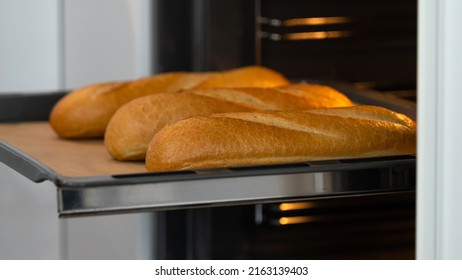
(369, 44)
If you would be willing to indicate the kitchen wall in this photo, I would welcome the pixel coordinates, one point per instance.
(51, 45)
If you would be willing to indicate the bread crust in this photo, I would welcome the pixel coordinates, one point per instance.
(85, 112)
(275, 137)
(132, 127)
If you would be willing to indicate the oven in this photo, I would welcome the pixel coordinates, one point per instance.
(365, 45)
(346, 209)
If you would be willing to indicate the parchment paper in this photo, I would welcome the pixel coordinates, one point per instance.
(73, 158)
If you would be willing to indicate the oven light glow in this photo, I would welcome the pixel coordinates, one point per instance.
(317, 35)
(295, 220)
(316, 21)
(295, 206)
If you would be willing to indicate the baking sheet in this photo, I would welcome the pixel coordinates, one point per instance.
(68, 158)
(89, 158)
(90, 182)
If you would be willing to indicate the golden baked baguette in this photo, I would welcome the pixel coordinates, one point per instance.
(274, 137)
(132, 127)
(85, 112)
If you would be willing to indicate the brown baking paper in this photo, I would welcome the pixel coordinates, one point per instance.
(72, 158)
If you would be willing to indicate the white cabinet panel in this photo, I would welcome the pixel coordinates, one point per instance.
(29, 224)
(106, 40)
(125, 237)
(49, 45)
(29, 46)
(439, 226)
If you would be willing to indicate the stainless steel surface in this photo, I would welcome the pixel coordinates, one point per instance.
(240, 188)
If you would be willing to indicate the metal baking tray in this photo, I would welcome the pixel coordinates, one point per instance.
(88, 184)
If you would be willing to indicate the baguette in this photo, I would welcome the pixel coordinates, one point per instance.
(132, 127)
(275, 137)
(85, 112)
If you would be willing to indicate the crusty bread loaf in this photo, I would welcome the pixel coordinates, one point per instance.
(86, 111)
(273, 137)
(132, 127)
